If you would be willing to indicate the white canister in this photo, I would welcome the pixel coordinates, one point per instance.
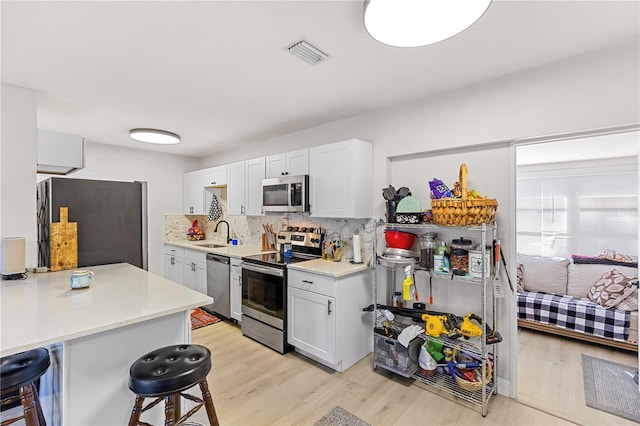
(81, 279)
(475, 263)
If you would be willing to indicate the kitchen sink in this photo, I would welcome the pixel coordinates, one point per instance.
(210, 245)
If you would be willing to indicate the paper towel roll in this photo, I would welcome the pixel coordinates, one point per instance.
(357, 255)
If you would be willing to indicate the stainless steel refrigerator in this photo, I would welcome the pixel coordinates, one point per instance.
(111, 218)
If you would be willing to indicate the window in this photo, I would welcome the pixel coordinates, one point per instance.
(578, 196)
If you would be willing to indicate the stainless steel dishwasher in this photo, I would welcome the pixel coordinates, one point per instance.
(218, 276)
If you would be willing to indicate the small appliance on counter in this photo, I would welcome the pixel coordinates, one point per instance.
(264, 285)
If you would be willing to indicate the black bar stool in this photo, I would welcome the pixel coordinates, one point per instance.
(17, 376)
(164, 374)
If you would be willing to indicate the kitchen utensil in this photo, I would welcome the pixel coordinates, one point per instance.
(409, 205)
(399, 239)
(389, 193)
(403, 192)
(395, 263)
(392, 252)
(64, 242)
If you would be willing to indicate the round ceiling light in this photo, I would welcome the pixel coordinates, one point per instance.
(161, 137)
(413, 23)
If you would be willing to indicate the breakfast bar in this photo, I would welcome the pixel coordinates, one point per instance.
(93, 334)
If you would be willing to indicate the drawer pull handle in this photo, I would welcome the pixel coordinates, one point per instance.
(328, 307)
(307, 281)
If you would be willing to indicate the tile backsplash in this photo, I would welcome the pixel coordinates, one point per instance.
(248, 229)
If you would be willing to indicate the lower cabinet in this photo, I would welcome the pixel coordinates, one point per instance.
(235, 292)
(325, 321)
(312, 323)
(173, 263)
(195, 270)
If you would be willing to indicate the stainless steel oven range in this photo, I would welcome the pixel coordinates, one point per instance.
(264, 286)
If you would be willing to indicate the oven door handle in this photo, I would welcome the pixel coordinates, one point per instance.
(263, 270)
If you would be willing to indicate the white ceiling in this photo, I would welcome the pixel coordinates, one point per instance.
(218, 73)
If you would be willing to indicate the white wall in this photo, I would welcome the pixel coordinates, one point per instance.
(163, 174)
(596, 90)
(18, 168)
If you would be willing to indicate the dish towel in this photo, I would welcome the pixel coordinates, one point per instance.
(214, 211)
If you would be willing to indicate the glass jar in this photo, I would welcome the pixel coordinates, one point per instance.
(428, 247)
(459, 257)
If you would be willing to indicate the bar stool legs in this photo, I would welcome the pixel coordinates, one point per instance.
(17, 374)
(165, 374)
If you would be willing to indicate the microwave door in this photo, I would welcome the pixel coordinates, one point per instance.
(275, 195)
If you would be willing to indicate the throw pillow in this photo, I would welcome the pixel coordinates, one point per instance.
(543, 273)
(520, 278)
(630, 303)
(611, 289)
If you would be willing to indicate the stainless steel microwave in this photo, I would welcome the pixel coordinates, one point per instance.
(286, 194)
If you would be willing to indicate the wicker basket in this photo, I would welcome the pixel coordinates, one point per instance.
(464, 211)
(474, 386)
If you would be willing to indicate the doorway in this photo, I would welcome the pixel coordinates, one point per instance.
(575, 195)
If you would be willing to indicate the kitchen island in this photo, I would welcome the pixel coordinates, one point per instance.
(94, 334)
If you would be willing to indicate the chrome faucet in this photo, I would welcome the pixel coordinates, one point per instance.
(216, 229)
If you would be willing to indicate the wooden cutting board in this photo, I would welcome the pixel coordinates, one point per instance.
(64, 242)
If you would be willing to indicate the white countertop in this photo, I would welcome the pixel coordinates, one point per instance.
(43, 309)
(328, 267)
(317, 266)
(228, 250)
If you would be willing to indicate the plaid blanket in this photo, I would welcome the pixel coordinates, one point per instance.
(574, 313)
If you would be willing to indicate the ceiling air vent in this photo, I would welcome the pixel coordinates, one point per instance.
(308, 52)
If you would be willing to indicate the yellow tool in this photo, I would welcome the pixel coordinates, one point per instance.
(437, 325)
(469, 328)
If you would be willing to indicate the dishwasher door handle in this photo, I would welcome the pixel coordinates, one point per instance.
(216, 258)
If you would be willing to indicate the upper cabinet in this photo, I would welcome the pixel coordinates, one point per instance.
(193, 193)
(235, 188)
(215, 176)
(244, 187)
(288, 164)
(255, 170)
(340, 176)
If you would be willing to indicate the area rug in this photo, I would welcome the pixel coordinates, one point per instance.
(338, 416)
(609, 386)
(200, 318)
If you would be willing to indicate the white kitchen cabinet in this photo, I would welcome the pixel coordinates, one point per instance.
(244, 187)
(173, 263)
(215, 176)
(193, 193)
(325, 321)
(235, 292)
(255, 170)
(288, 164)
(340, 176)
(195, 270)
(235, 188)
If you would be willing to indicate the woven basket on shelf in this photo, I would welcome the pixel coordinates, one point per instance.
(473, 386)
(464, 211)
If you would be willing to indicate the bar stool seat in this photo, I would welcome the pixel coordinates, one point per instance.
(164, 374)
(17, 374)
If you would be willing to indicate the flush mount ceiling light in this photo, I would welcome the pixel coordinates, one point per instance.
(413, 23)
(161, 137)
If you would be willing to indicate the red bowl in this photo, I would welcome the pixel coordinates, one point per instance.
(399, 239)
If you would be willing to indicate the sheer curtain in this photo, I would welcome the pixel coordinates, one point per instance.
(578, 206)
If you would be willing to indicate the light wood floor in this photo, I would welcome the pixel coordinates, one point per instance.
(550, 376)
(253, 385)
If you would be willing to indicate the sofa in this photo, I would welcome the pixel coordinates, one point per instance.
(588, 298)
